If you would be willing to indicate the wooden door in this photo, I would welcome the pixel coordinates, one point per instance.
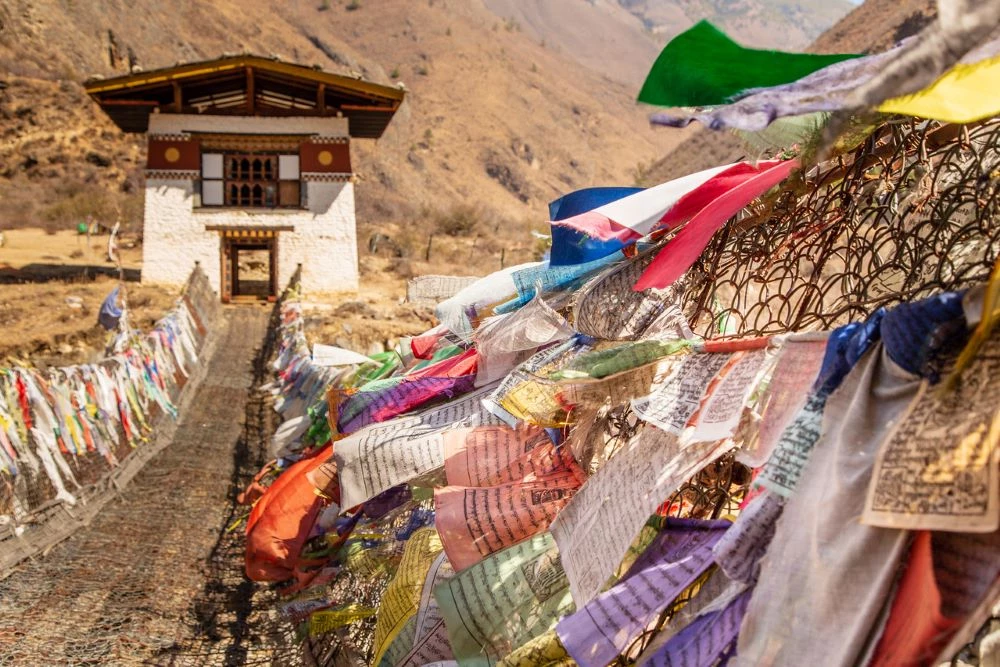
(273, 253)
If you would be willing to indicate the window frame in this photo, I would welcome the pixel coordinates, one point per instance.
(251, 179)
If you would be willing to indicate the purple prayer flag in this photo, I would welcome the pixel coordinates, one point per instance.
(706, 639)
(369, 407)
(739, 552)
(385, 502)
(605, 627)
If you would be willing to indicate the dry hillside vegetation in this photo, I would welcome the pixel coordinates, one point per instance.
(512, 103)
(54, 321)
(494, 116)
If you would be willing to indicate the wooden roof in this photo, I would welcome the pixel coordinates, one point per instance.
(246, 85)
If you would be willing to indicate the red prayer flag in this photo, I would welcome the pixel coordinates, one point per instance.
(682, 251)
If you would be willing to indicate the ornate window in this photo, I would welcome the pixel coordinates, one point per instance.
(250, 180)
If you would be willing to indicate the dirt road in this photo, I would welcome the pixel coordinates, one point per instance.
(156, 578)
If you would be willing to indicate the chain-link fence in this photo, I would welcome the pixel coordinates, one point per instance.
(912, 211)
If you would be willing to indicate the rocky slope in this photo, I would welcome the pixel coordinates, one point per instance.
(512, 102)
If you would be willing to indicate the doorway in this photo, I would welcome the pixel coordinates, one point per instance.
(249, 267)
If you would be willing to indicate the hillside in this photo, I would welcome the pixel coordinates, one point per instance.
(493, 116)
(512, 102)
(599, 34)
(874, 26)
(788, 24)
(620, 38)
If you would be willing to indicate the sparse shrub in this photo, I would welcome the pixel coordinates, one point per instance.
(75, 202)
(324, 5)
(403, 268)
(541, 246)
(394, 74)
(352, 5)
(461, 220)
(447, 32)
(422, 70)
(642, 173)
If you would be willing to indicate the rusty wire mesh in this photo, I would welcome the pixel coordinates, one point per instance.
(714, 492)
(364, 579)
(910, 212)
(43, 520)
(157, 577)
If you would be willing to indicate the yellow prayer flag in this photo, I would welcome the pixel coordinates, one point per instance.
(324, 621)
(964, 94)
(401, 599)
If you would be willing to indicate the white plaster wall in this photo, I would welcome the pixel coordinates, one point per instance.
(324, 239)
(173, 239)
(170, 123)
(325, 243)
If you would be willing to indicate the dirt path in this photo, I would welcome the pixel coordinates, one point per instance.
(157, 579)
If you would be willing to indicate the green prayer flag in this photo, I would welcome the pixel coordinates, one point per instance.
(703, 67)
(504, 601)
(602, 363)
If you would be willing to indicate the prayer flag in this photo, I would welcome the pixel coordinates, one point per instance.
(570, 246)
(683, 250)
(632, 217)
(703, 66)
(965, 94)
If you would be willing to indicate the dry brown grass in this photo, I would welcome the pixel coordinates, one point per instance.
(40, 326)
(24, 247)
(37, 322)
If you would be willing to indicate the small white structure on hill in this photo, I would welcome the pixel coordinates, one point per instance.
(248, 170)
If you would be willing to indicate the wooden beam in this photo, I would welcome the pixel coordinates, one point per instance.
(129, 103)
(358, 107)
(338, 82)
(321, 97)
(178, 98)
(251, 102)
